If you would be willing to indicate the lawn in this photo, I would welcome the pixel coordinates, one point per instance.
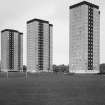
(52, 89)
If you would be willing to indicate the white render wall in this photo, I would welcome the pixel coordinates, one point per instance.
(16, 51)
(4, 51)
(21, 56)
(51, 47)
(32, 46)
(96, 39)
(78, 51)
(46, 47)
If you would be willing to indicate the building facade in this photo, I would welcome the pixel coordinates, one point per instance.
(11, 50)
(84, 38)
(39, 45)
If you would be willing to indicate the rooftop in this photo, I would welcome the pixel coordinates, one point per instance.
(12, 30)
(82, 3)
(39, 20)
(51, 24)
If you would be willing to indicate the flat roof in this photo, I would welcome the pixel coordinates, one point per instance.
(11, 30)
(82, 3)
(21, 33)
(51, 24)
(39, 20)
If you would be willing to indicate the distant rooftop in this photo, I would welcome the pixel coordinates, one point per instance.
(43, 21)
(11, 30)
(51, 24)
(82, 3)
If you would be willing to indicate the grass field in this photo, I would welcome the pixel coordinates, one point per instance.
(52, 89)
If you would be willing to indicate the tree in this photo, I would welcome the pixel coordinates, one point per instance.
(102, 68)
(0, 66)
(61, 68)
(24, 68)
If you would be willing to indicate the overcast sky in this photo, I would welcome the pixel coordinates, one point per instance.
(15, 13)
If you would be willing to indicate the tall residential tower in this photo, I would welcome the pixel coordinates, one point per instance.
(39, 45)
(11, 50)
(84, 38)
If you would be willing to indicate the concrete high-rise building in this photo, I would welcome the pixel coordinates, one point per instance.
(11, 50)
(84, 38)
(39, 45)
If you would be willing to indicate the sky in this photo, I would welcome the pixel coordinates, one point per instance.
(15, 13)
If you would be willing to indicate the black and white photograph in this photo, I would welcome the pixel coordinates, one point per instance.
(52, 52)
